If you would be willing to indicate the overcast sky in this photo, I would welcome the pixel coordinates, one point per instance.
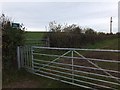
(36, 15)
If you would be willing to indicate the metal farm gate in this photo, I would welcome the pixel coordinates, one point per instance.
(88, 68)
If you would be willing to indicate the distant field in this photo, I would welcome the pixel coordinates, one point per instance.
(106, 44)
(34, 35)
(34, 38)
(23, 79)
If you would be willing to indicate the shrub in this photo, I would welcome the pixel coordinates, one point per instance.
(11, 38)
(72, 36)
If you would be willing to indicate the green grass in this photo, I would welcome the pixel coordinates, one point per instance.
(34, 35)
(106, 44)
(14, 76)
(34, 38)
(21, 76)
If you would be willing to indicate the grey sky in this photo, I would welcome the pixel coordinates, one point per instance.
(119, 17)
(36, 15)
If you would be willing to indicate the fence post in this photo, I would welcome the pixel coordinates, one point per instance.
(48, 42)
(32, 59)
(72, 68)
(18, 57)
(22, 56)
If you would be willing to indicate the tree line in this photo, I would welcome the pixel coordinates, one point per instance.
(59, 36)
(73, 36)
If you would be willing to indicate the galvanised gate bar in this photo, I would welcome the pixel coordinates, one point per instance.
(87, 68)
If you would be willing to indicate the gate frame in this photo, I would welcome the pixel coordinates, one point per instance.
(72, 50)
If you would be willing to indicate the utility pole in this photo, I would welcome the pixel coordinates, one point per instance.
(46, 28)
(111, 25)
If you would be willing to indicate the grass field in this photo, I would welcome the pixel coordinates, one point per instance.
(23, 79)
(34, 35)
(106, 44)
(34, 38)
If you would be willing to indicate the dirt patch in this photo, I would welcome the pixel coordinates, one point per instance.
(84, 63)
(23, 84)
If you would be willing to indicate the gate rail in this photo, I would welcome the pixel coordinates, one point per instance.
(64, 64)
